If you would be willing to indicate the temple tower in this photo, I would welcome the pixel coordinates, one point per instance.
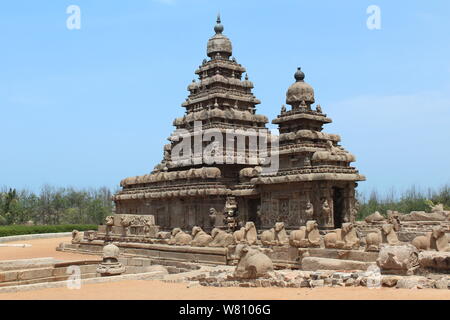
(315, 179)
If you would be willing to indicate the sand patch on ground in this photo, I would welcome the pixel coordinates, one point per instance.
(147, 290)
(41, 248)
(150, 290)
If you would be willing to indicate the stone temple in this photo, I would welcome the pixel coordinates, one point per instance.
(313, 180)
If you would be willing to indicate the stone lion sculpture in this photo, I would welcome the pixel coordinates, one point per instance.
(200, 237)
(221, 238)
(306, 237)
(276, 236)
(180, 238)
(345, 238)
(246, 234)
(435, 240)
(109, 221)
(77, 236)
(252, 263)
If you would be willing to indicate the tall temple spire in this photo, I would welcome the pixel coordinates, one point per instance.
(219, 46)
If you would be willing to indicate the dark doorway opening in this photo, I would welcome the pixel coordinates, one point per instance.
(254, 211)
(338, 206)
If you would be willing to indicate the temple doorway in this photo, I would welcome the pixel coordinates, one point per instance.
(338, 206)
(253, 207)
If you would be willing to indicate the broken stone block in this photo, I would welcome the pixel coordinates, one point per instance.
(315, 263)
(316, 283)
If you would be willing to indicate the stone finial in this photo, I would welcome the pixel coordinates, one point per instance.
(110, 265)
(299, 75)
(218, 28)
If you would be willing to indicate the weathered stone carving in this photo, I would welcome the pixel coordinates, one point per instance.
(393, 218)
(77, 236)
(345, 238)
(246, 234)
(326, 211)
(388, 234)
(110, 265)
(306, 237)
(180, 238)
(126, 221)
(252, 263)
(109, 221)
(276, 236)
(200, 238)
(309, 212)
(402, 259)
(374, 217)
(373, 241)
(212, 217)
(435, 240)
(163, 235)
(221, 238)
(435, 261)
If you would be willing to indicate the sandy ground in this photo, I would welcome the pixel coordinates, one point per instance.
(145, 290)
(41, 248)
(149, 290)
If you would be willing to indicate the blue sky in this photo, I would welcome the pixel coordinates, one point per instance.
(89, 107)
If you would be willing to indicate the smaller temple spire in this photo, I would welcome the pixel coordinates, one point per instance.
(218, 28)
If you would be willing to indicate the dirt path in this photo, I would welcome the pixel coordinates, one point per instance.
(148, 290)
(41, 248)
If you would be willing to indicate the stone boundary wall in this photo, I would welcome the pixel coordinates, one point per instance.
(35, 236)
(155, 275)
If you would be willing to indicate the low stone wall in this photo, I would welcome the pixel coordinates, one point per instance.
(162, 252)
(35, 236)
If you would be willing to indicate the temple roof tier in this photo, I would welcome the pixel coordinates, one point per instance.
(298, 115)
(330, 176)
(230, 114)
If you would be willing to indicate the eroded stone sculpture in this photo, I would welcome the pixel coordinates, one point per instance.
(276, 236)
(180, 238)
(77, 236)
(436, 240)
(221, 238)
(344, 238)
(252, 263)
(402, 259)
(306, 237)
(246, 234)
(200, 238)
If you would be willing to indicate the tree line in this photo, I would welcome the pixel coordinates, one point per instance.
(54, 206)
(412, 199)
